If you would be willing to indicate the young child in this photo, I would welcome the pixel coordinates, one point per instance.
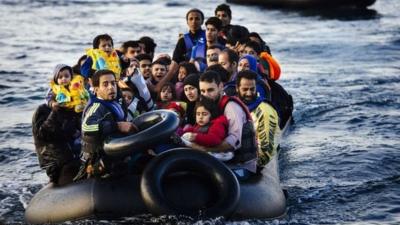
(102, 56)
(166, 95)
(158, 72)
(210, 130)
(132, 104)
(67, 90)
(184, 70)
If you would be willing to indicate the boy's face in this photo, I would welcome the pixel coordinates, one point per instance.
(131, 52)
(145, 68)
(203, 116)
(128, 97)
(107, 89)
(211, 33)
(224, 17)
(158, 71)
(64, 77)
(106, 46)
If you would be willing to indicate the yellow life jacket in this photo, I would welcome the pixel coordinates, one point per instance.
(74, 97)
(266, 124)
(102, 61)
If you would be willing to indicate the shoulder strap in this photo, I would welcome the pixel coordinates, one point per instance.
(188, 44)
(225, 99)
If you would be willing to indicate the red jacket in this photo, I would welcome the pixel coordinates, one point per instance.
(216, 133)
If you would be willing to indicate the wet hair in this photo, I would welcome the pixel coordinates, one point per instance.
(216, 46)
(190, 67)
(223, 73)
(210, 76)
(142, 56)
(215, 21)
(106, 37)
(195, 10)
(77, 67)
(162, 61)
(237, 33)
(127, 44)
(149, 44)
(127, 89)
(263, 44)
(165, 87)
(256, 35)
(99, 73)
(254, 45)
(232, 55)
(209, 105)
(224, 7)
(247, 74)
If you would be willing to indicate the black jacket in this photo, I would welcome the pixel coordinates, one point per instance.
(53, 134)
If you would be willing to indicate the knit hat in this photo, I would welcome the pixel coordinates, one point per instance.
(192, 79)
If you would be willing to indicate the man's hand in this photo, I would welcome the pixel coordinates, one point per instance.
(133, 67)
(198, 147)
(127, 127)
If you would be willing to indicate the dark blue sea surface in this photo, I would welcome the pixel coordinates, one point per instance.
(340, 162)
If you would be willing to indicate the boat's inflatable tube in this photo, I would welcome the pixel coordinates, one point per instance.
(210, 188)
(93, 198)
(153, 126)
(261, 197)
(308, 3)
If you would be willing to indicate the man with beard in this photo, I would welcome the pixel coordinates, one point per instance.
(241, 137)
(102, 117)
(265, 117)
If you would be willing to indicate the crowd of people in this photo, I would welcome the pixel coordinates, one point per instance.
(221, 82)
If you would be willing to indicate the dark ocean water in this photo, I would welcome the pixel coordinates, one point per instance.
(340, 162)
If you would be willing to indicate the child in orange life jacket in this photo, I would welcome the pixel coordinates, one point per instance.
(210, 130)
(102, 56)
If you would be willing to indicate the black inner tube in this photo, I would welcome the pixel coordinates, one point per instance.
(189, 182)
(154, 127)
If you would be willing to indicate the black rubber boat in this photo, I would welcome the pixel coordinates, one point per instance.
(178, 181)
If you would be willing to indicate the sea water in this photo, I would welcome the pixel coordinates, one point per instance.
(340, 162)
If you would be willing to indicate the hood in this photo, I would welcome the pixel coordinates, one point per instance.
(58, 68)
(252, 61)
